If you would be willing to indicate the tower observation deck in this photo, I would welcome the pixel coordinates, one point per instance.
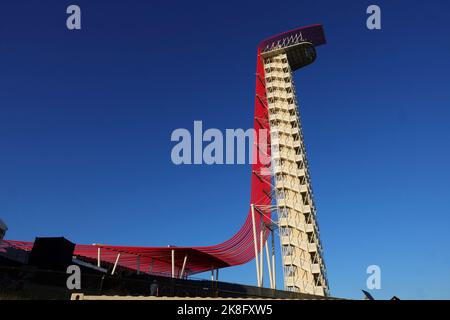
(281, 193)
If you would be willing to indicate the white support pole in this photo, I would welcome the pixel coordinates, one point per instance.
(173, 263)
(184, 265)
(255, 241)
(212, 274)
(261, 258)
(98, 257)
(269, 266)
(274, 279)
(115, 264)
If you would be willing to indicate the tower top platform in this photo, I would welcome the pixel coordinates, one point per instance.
(299, 45)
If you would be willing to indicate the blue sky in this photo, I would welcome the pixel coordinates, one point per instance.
(86, 119)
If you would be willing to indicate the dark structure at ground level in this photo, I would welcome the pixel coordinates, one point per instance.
(31, 275)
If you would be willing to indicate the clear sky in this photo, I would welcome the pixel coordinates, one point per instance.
(86, 119)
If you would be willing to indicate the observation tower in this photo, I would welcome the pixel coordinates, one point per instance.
(303, 263)
(281, 199)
